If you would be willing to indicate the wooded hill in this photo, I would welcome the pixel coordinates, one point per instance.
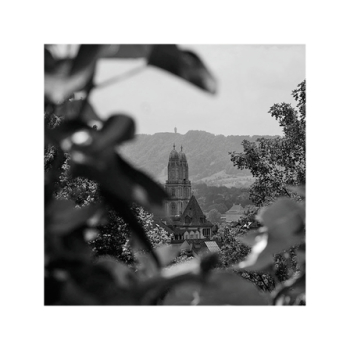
(220, 198)
(207, 156)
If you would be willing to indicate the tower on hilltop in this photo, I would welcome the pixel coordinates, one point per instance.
(178, 185)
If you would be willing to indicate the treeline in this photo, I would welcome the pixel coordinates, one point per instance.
(207, 154)
(220, 198)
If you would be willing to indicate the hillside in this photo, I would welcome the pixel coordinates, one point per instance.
(207, 156)
(220, 198)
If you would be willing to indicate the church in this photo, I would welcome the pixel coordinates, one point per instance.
(183, 215)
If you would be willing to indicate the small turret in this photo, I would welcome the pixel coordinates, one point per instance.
(173, 154)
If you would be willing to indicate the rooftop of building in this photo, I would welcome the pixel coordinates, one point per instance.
(193, 214)
(175, 155)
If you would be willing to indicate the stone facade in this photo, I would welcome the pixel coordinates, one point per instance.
(183, 213)
(178, 185)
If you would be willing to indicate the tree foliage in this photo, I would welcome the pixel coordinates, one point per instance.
(220, 197)
(214, 216)
(277, 164)
(277, 248)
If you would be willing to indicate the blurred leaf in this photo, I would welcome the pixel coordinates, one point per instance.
(61, 136)
(116, 184)
(262, 263)
(116, 129)
(208, 262)
(127, 51)
(301, 255)
(63, 217)
(284, 217)
(86, 58)
(52, 290)
(258, 242)
(251, 237)
(123, 181)
(72, 75)
(65, 251)
(73, 247)
(138, 239)
(166, 254)
(284, 221)
(191, 266)
(184, 64)
(49, 61)
(72, 294)
(258, 261)
(72, 110)
(221, 288)
(122, 274)
(290, 291)
(82, 138)
(97, 286)
(155, 194)
(152, 291)
(146, 265)
(60, 85)
(300, 190)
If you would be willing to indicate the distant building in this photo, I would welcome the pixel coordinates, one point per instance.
(183, 215)
(178, 185)
(191, 224)
(234, 213)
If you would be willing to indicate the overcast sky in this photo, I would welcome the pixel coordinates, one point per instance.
(251, 78)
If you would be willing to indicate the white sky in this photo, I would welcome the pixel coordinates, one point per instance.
(251, 78)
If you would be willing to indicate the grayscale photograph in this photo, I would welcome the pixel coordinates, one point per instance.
(174, 174)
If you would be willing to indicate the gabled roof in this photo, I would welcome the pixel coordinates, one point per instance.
(160, 223)
(235, 209)
(212, 246)
(193, 214)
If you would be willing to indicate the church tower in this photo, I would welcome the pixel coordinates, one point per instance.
(177, 186)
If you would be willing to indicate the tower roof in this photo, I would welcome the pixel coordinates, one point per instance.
(173, 153)
(182, 155)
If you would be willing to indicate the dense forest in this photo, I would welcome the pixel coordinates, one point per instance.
(207, 156)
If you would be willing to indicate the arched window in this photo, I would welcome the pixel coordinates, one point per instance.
(173, 209)
(173, 192)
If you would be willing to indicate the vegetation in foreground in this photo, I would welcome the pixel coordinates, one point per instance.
(91, 191)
